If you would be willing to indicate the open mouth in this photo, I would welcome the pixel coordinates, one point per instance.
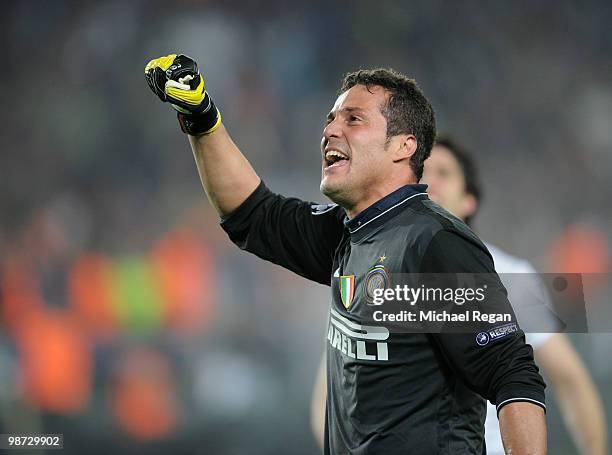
(335, 158)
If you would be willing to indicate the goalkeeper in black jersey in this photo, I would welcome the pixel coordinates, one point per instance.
(389, 391)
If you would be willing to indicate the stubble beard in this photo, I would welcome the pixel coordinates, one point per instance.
(338, 194)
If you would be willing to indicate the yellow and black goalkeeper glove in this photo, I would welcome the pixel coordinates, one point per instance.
(177, 80)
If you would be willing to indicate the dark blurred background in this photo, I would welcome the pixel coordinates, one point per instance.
(129, 323)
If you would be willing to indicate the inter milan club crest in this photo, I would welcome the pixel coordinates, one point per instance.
(347, 290)
(376, 278)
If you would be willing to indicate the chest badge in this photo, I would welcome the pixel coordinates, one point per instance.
(347, 290)
(376, 278)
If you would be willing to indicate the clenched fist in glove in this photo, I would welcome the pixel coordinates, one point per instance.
(177, 80)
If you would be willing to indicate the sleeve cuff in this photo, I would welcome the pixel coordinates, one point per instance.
(503, 403)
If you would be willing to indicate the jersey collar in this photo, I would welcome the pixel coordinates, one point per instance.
(384, 205)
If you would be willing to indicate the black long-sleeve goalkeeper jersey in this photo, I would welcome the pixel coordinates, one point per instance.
(390, 391)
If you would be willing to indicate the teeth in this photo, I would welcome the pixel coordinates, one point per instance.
(333, 153)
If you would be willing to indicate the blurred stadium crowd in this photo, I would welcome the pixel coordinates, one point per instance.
(127, 320)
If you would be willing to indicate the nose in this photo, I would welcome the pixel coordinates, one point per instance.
(332, 129)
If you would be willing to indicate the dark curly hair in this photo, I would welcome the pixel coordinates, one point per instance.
(407, 111)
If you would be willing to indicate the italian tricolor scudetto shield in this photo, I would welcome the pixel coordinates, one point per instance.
(347, 289)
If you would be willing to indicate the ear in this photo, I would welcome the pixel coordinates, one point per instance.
(469, 204)
(403, 147)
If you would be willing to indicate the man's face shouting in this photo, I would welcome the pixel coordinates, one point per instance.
(353, 146)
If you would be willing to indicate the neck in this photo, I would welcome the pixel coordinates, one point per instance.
(374, 196)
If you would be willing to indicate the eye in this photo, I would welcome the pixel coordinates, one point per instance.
(354, 118)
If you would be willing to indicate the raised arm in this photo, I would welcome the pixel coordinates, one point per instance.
(227, 176)
(295, 234)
